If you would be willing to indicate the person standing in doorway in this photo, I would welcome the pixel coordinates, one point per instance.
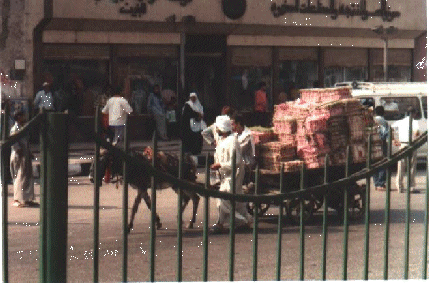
(192, 125)
(118, 109)
(155, 106)
(402, 128)
(21, 168)
(44, 98)
(261, 104)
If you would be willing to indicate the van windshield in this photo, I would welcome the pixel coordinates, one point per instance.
(395, 108)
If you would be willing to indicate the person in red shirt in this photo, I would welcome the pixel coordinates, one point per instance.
(261, 105)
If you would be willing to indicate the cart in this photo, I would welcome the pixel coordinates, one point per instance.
(269, 183)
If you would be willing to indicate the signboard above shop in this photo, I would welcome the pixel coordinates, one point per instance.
(408, 14)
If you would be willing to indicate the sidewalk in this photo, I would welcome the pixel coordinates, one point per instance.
(81, 154)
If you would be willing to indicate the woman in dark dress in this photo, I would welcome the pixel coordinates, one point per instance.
(192, 125)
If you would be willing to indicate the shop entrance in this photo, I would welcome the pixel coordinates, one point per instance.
(205, 66)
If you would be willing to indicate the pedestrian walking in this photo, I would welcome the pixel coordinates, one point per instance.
(192, 125)
(261, 105)
(210, 134)
(21, 168)
(156, 107)
(6, 150)
(383, 131)
(118, 109)
(402, 128)
(44, 98)
(228, 144)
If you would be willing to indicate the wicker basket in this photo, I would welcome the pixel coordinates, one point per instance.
(263, 137)
(284, 125)
(332, 108)
(277, 148)
(287, 139)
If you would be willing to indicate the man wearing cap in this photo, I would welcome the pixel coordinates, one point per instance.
(209, 134)
(227, 145)
(44, 98)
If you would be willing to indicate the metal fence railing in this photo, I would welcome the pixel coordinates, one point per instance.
(53, 261)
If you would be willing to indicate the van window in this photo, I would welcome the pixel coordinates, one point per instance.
(367, 101)
(425, 106)
(395, 108)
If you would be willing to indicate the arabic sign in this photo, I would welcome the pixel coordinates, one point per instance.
(354, 9)
(139, 7)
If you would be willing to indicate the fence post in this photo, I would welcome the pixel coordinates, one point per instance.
(5, 134)
(97, 179)
(43, 182)
(56, 197)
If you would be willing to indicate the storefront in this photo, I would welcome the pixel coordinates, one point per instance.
(219, 49)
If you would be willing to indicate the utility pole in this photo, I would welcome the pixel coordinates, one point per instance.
(384, 34)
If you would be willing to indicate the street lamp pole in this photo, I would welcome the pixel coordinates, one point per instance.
(385, 66)
(385, 33)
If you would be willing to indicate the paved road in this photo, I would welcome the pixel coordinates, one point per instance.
(24, 233)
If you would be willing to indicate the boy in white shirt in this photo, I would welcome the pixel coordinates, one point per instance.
(118, 109)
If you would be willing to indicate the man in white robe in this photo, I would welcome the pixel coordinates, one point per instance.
(21, 168)
(210, 134)
(227, 145)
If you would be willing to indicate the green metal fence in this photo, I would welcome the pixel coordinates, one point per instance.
(53, 261)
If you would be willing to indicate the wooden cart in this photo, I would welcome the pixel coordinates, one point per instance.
(269, 183)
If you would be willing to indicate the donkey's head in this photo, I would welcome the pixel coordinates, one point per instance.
(170, 163)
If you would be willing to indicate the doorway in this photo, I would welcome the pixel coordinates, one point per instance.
(205, 68)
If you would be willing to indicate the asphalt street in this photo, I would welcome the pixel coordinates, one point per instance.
(24, 235)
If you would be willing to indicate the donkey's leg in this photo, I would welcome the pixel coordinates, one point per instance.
(146, 198)
(195, 201)
(136, 204)
(187, 196)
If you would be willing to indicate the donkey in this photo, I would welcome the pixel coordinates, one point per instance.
(140, 180)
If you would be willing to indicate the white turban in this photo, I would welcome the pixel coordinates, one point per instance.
(223, 123)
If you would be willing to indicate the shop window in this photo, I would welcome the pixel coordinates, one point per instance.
(335, 75)
(345, 65)
(295, 75)
(395, 73)
(76, 85)
(367, 102)
(244, 83)
(250, 66)
(399, 63)
(140, 75)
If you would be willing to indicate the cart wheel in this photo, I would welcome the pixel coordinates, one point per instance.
(357, 203)
(262, 208)
(293, 210)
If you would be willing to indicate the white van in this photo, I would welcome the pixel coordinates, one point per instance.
(395, 98)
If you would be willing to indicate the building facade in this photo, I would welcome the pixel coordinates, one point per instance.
(220, 48)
